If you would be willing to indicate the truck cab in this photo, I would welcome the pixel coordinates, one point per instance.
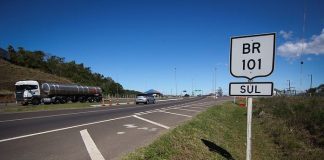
(28, 92)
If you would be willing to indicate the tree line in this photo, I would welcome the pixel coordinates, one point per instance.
(78, 73)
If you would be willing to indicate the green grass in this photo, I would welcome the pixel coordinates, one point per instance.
(11, 73)
(28, 108)
(295, 124)
(224, 125)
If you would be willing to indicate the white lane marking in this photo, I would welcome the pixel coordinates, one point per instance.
(130, 126)
(152, 122)
(120, 132)
(147, 112)
(168, 100)
(61, 129)
(188, 110)
(65, 114)
(176, 114)
(143, 128)
(152, 129)
(91, 146)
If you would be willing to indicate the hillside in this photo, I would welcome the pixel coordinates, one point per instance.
(42, 62)
(11, 73)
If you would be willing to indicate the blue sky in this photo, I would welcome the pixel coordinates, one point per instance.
(139, 43)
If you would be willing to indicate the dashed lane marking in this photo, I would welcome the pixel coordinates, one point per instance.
(152, 122)
(176, 114)
(61, 129)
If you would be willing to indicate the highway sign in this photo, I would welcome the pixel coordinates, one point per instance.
(252, 56)
(251, 89)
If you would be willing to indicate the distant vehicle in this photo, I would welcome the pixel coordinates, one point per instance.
(144, 98)
(35, 93)
(186, 95)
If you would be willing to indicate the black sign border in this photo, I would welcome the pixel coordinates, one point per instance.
(254, 35)
(250, 83)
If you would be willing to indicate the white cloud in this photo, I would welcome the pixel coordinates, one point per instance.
(315, 45)
(286, 35)
(309, 59)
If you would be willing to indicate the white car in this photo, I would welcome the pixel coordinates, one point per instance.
(144, 98)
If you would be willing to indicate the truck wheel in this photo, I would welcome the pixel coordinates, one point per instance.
(35, 101)
(62, 101)
(98, 100)
(56, 101)
(74, 100)
(90, 100)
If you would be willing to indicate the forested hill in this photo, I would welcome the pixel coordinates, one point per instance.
(76, 73)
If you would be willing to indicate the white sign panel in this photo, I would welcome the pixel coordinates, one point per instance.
(251, 89)
(252, 56)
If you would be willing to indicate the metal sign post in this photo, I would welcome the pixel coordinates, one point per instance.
(249, 130)
(250, 57)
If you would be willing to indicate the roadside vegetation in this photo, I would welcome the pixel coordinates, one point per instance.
(283, 128)
(218, 133)
(72, 71)
(295, 124)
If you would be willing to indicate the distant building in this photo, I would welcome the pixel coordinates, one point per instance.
(4, 54)
(153, 92)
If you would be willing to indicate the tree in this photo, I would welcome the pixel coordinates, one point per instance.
(21, 57)
(219, 91)
(12, 54)
(78, 73)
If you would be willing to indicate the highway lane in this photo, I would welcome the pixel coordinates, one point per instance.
(23, 115)
(112, 129)
(27, 123)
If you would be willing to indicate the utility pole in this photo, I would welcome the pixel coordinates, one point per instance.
(192, 87)
(301, 74)
(311, 81)
(175, 80)
(215, 82)
(289, 86)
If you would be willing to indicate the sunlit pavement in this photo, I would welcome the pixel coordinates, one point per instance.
(93, 134)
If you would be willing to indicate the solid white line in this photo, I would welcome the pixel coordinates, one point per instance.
(168, 100)
(155, 123)
(91, 146)
(176, 114)
(61, 129)
(188, 110)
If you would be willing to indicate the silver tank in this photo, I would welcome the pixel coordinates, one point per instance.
(69, 89)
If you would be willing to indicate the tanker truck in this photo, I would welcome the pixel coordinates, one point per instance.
(33, 92)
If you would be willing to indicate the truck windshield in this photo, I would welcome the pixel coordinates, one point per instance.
(25, 87)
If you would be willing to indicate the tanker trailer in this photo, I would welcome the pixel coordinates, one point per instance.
(35, 93)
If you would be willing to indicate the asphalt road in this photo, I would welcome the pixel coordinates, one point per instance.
(94, 133)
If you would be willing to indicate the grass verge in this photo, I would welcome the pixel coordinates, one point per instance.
(218, 133)
(295, 124)
(44, 107)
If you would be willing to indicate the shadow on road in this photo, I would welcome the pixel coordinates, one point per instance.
(215, 148)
